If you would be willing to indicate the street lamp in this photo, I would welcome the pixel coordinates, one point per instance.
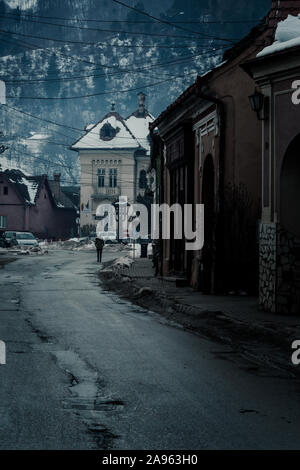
(257, 103)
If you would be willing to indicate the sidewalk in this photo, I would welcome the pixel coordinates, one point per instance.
(233, 320)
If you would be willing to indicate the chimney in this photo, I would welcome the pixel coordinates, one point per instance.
(56, 185)
(282, 8)
(141, 101)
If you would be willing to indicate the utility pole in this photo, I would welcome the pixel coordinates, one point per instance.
(2, 101)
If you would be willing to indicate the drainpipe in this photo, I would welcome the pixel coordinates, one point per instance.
(23, 217)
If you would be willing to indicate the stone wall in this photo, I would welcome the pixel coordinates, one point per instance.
(279, 270)
(267, 267)
(287, 288)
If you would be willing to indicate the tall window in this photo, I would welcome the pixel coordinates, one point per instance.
(101, 177)
(143, 179)
(113, 177)
(3, 221)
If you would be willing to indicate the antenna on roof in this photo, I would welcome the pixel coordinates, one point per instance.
(141, 102)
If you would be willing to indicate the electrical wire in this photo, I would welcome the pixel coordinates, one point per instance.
(87, 20)
(92, 95)
(198, 33)
(177, 61)
(159, 20)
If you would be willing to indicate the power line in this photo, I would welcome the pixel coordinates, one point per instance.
(92, 95)
(119, 72)
(144, 33)
(73, 129)
(26, 45)
(48, 51)
(110, 31)
(168, 22)
(30, 46)
(87, 20)
(88, 182)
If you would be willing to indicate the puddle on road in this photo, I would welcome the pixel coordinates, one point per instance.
(86, 397)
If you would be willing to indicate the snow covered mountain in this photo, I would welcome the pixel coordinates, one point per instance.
(73, 78)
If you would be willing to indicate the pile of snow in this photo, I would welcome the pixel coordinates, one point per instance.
(73, 244)
(287, 35)
(33, 251)
(123, 262)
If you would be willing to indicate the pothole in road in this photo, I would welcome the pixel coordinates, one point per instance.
(87, 400)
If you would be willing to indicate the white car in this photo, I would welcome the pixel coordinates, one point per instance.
(108, 237)
(25, 239)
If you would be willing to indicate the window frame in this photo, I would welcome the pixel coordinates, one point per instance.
(3, 221)
(113, 177)
(101, 174)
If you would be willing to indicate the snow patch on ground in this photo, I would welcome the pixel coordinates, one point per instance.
(122, 262)
(21, 251)
(74, 244)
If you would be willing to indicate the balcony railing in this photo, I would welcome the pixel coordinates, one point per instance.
(105, 192)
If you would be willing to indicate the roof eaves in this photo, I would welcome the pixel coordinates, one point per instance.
(186, 94)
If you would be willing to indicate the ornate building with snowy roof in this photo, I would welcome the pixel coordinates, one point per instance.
(114, 158)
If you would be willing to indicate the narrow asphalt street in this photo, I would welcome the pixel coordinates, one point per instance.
(87, 370)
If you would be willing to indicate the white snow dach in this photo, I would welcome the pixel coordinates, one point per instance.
(140, 129)
(122, 139)
(32, 188)
(287, 35)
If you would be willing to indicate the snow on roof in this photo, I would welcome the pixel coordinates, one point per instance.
(8, 164)
(216, 67)
(123, 138)
(32, 188)
(139, 126)
(28, 186)
(287, 35)
(89, 127)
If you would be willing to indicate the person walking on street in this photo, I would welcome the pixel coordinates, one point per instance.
(99, 243)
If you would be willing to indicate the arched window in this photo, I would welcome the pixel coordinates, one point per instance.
(143, 179)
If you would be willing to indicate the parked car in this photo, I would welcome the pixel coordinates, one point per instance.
(22, 238)
(92, 236)
(108, 237)
(3, 242)
(10, 239)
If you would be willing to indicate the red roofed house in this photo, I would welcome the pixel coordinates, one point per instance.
(36, 204)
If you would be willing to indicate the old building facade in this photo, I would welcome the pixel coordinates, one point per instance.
(36, 204)
(114, 159)
(277, 72)
(210, 153)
